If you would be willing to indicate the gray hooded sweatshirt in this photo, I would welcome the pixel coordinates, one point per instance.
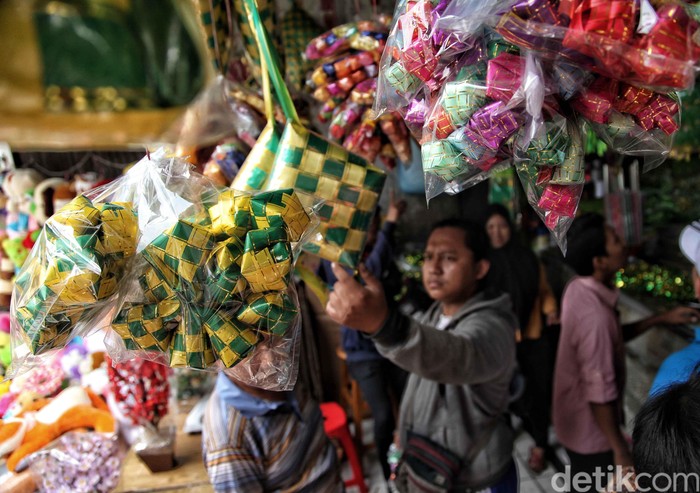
(473, 360)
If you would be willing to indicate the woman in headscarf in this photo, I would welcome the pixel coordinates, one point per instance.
(517, 271)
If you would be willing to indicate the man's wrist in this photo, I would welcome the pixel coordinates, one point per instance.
(394, 330)
(380, 321)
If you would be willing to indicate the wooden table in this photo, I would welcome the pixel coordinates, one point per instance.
(189, 476)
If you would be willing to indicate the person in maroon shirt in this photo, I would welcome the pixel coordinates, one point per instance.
(589, 377)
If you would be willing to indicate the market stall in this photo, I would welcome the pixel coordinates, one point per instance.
(170, 171)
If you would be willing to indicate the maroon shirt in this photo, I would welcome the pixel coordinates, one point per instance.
(590, 364)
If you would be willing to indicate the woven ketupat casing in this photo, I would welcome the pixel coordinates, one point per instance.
(266, 263)
(347, 184)
(270, 312)
(190, 346)
(145, 326)
(256, 168)
(44, 325)
(232, 340)
(178, 254)
(278, 207)
(213, 18)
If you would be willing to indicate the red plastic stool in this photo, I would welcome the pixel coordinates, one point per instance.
(335, 423)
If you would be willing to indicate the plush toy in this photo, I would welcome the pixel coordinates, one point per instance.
(85, 182)
(18, 186)
(49, 196)
(31, 388)
(17, 403)
(73, 408)
(6, 400)
(12, 433)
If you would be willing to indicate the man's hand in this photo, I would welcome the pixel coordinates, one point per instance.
(359, 307)
(553, 319)
(681, 315)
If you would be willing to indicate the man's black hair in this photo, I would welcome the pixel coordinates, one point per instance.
(667, 437)
(474, 235)
(585, 241)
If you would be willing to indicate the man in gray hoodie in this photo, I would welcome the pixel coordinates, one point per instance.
(461, 356)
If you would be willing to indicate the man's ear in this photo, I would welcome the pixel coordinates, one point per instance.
(482, 268)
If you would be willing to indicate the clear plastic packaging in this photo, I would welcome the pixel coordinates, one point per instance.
(479, 102)
(214, 116)
(549, 162)
(179, 271)
(364, 140)
(640, 43)
(632, 120)
(140, 389)
(421, 54)
(470, 130)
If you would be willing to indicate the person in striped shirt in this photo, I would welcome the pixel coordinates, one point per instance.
(258, 441)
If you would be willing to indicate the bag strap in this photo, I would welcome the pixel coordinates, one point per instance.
(269, 55)
(483, 439)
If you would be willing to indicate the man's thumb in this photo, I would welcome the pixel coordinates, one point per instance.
(371, 282)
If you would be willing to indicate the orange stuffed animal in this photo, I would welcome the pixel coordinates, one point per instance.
(82, 415)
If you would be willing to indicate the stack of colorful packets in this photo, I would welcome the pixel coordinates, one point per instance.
(345, 81)
(214, 285)
(73, 271)
(642, 44)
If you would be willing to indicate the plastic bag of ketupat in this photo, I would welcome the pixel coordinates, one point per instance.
(178, 270)
(633, 121)
(471, 128)
(420, 55)
(549, 160)
(650, 44)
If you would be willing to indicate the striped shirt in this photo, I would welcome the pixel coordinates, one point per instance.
(278, 449)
